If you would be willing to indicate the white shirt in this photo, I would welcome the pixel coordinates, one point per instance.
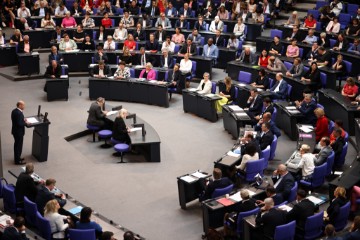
(120, 34)
(207, 87)
(23, 13)
(166, 61)
(169, 12)
(170, 47)
(101, 72)
(110, 46)
(239, 29)
(246, 158)
(42, 12)
(57, 224)
(278, 86)
(185, 67)
(306, 164)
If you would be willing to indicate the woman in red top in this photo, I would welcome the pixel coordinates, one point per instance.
(263, 59)
(322, 124)
(106, 21)
(310, 22)
(162, 4)
(350, 89)
(130, 43)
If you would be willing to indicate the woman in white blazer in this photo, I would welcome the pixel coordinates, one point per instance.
(205, 85)
(56, 220)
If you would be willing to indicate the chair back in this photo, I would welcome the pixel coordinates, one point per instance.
(330, 163)
(275, 32)
(273, 148)
(193, 68)
(332, 42)
(286, 231)
(132, 72)
(306, 69)
(346, 137)
(313, 226)
(80, 234)
(222, 191)
(344, 20)
(341, 219)
(176, 48)
(318, 105)
(319, 175)
(331, 126)
(2, 183)
(30, 209)
(288, 65)
(202, 41)
(348, 66)
(341, 160)
(315, 13)
(320, 4)
(43, 225)
(9, 198)
(240, 220)
(352, 9)
(289, 89)
(225, 28)
(213, 87)
(301, 52)
(254, 167)
(323, 79)
(273, 115)
(265, 154)
(156, 74)
(293, 192)
(271, 82)
(244, 77)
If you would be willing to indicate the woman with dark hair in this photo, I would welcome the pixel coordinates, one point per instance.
(263, 59)
(313, 76)
(262, 81)
(340, 66)
(47, 21)
(250, 154)
(178, 37)
(233, 42)
(354, 28)
(101, 35)
(86, 223)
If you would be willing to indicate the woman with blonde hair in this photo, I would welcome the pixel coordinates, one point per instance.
(120, 130)
(227, 94)
(334, 208)
(56, 220)
(322, 124)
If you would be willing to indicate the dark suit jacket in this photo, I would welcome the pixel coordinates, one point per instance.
(345, 45)
(185, 23)
(284, 187)
(25, 186)
(174, 12)
(334, 208)
(269, 109)
(148, 22)
(337, 147)
(96, 116)
(182, 11)
(79, 9)
(200, 27)
(91, 46)
(152, 46)
(283, 88)
(148, 57)
(11, 233)
(97, 57)
(37, 11)
(120, 131)
(43, 196)
(212, 15)
(95, 71)
(273, 128)
(210, 188)
(149, 9)
(351, 236)
(164, 34)
(21, 47)
(218, 41)
(18, 123)
(297, 36)
(308, 110)
(270, 220)
(141, 35)
(184, 47)
(278, 199)
(54, 36)
(266, 140)
(56, 57)
(254, 142)
(49, 71)
(257, 107)
(170, 62)
(301, 212)
(246, 205)
(322, 156)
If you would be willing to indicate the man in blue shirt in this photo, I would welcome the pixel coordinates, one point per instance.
(310, 38)
(210, 50)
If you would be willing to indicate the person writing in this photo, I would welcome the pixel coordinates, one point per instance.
(96, 113)
(120, 130)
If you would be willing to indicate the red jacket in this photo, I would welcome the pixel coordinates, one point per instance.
(322, 128)
(83, 2)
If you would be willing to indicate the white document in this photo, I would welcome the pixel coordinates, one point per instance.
(152, 81)
(290, 108)
(135, 129)
(285, 208)
(236, 197)
(111, 113)
(338, 173)
(242, 84)
(198, 174)
(294, 111)
(191, 89)
(260, 89)
(210, 95)
(251, 193)
(241, 114)
(315, 200)
(93, 64)
(235, 108)
(306, 129)
(64, 76)
(232, 154)
(32, 120)
(188, 179)
(35, 53)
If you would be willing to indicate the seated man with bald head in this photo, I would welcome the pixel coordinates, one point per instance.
(52, 71)
(267, 118)
(25, 185)
(247, 56)
(25, 46)
(283, 181)
(279, 90)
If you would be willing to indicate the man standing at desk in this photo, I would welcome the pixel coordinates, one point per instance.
(283, 181)
(279, 90)
(97, 114)
(18, 131)
(25, 46)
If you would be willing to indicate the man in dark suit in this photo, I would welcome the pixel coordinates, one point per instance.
(56, 36)
(354, 233)
(170, 11)
(209, 13)
(144, 21)
(160, 34)
(152, 44)
(145, 5)
(100, 55)
(45, 194)
(325, 151)
(96, 113)
(185, 11)
(271, 193)
(266, 136)
(16, 231)
(337, 146)
(283, 181)
(25, 185)
(267, 119)
(181, 22)
(294, 35)
(254, 103)
(165, 60)
(100, 71)
(247, 140)
(268, 219)
(341, 43)
(307, 107)
(218, 182)
(301, 211)
(42, 10)
(25, 46)
(143, 58)
(218, 39)
(76, 10)
(279, 90)
(153, 11)
(139, 34)
(188, 47)
(247, 203)
(53, 70)
(55, 55)
(18, 131)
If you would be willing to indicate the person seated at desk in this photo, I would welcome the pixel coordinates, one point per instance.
(120, 33)
(323, 40)
(100, 55)
(25, 46)
(279, 90)
(67, 43)
(129, 43)
(254, 104)
(181, 23)
(325, 151)
(306, 164)
(292, 50)
(293, 20)
(126, 56)
(200, 24)
(209, 12)
(247, 56)
(227, 94)
(160, 34)
(312, 76)
(310, 38)
(249, 155)
(139, 34)
(283, 181)
(323, 58)
(148, 72)
(218, 39)
(120, 130)
(337, 145)
(187, 48)
(355, 48)
(266, 136)
(16, 231)
(68, 21)
(174, 79)
(165, 60)
(222, 13)
(341, 43)
(127, 20)
(267, 107)
(163, 21)
(16, 37)
(26, 186)
(338, 124)
(211, 185)
(97, 116)
(294, 35)
(205, 85)
(168, 45)
(122, 72)
(330, 233)
(143, 58)
(303, 209)
(259, 16)
(354, 232)
(45, 194)
(100, 71)
(296, 70)
(313, 53)
(267, 220)
(195, 36)
(239, 29)
(144, 21)
(336, 6)
(47, 22)
(350, 89)
(307, 108)
(86, 223)
(310, 22)
(88, 22)
(55, 55)
(340, 66)
(270, 192)
(56, 36)
(326, 16)
(42, 9)
(276, 46)
(216, 24)
(88, 44)
(334, 208)
(152, 44)
(171, 11)
(178, 37)
(53, 70)
(322, 124)
(266, 118)
(76, 10)
(153, 10)
(106, 21)
(61, 10)
(334, 26)
(263, 59)
(58, 223)
(79, 34)
(276, 65)
(233, 42)
(353, 28)
(210, 50)
(109, 44)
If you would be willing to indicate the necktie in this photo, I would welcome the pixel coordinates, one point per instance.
(264, 11)
(194, 38)
(143, 60)
(152, 11)
(188, 51)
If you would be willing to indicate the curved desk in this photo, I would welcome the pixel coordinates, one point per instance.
(131, 90)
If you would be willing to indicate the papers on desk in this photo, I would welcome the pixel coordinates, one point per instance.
(241, 114)
(294, 111)
(93, 64)
(111, 77)
(242, 84)
(76, 210)
(135, 129)
(139, 66)
(250, 132)
(225, 201)
(235, 108)
(210, 95)
(34, 53)
(285, 208)
(259, 89)
(153, 81)
(188, 179)
(338, 173)
(64, 76)
(32, 120)
(306, 128)
(232, 154)
(72, 51)
(199, 174)
(290, 108)
(111, 113)
(236, 197)
(191, 89)
(315, 200)
(5, 220)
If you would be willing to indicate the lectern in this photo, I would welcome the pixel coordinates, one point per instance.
(40, 141)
